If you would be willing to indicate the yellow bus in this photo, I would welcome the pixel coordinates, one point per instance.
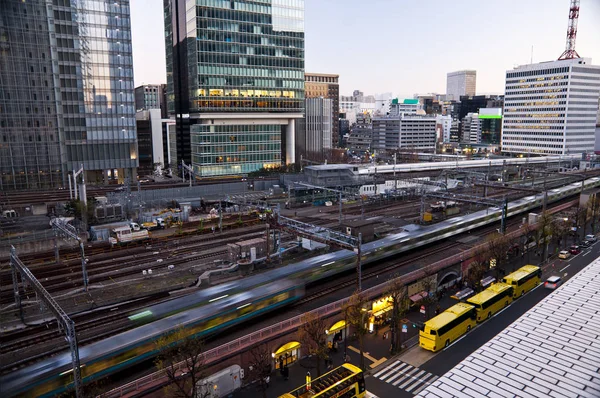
(345, 381)
(440, 331)
(524, 279)
(491, 300)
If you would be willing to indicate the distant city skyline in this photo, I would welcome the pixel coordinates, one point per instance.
(407, 48)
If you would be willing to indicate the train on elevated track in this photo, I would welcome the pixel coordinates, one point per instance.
(211, 310)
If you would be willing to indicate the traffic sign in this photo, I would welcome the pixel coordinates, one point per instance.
(404, 329)
(422, 309)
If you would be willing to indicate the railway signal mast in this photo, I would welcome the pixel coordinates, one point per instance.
(65, 323)
(570, 52)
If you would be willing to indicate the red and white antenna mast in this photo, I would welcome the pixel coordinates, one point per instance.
(570, 52)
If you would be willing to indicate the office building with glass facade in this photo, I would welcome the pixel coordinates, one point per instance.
(66, 92)
(235, 82)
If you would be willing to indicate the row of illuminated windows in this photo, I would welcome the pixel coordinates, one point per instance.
(529, 92)
(219, 92)
(240, 158)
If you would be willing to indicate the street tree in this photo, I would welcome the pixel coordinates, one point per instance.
(497, 249)
(593, 206)
(356, 317)
(560, 230)
(544, 229)
(312, 336)
(398, 291)
(260, 367)
(184, 380)
(429, 286)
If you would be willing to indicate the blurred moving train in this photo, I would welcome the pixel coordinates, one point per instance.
(210, 310)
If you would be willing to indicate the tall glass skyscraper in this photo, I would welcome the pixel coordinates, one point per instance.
(66, 92)
(235, 81)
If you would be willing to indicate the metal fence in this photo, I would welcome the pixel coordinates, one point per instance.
(29, 237)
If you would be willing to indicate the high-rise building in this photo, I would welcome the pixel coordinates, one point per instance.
(235, 82)
(151, 96)
(551, 107)
(66, 96)
(315, 138)
(327, 86)
(461, 83)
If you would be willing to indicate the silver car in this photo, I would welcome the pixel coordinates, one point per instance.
(553, 282)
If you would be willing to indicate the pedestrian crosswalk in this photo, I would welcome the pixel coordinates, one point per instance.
(405, 376)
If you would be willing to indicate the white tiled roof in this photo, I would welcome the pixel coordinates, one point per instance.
(553, 350)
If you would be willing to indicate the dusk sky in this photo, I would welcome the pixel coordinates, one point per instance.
(407, 47)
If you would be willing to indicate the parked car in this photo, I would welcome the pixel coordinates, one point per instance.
(553, 282)
(585, 243)
(564, 254)
(591, 238)
(574, 249)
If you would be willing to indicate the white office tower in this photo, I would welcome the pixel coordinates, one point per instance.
(551, 107)
(460, 83)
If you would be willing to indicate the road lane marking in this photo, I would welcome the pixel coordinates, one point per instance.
(456, 341)
(565, 268)
(586, 253)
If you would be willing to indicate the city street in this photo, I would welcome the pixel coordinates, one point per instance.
(413, 371)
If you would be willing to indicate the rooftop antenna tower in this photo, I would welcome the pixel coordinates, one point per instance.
(570, 52)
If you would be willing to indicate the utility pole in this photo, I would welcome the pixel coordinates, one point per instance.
(358, 261)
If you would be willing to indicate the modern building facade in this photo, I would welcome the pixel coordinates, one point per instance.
(361, 134)
(490, 121)
(443, 126)
(318, 85)
(153, 142)
(404, 132)
(474, 103)
(551, 107)
(460, 83)
(66, 93)
(235, 82)
(151, 96)
(315, 140)
(471, 129)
